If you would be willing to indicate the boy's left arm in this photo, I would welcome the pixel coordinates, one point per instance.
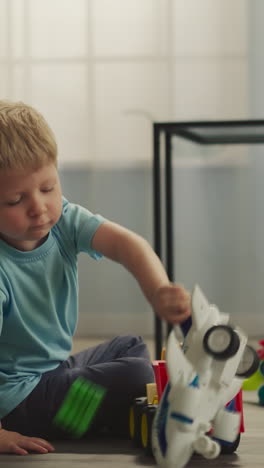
(170, 301)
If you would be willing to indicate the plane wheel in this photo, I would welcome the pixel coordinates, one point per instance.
(221, 342)
(227, 449)
(249, 363)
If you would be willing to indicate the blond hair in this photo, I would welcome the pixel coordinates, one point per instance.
(26, 140)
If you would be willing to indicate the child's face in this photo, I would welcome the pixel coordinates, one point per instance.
(30, 204)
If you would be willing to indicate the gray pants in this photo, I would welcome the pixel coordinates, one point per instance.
(121, 365)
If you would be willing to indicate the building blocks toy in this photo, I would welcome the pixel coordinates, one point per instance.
(200, 409)
(79, 407)
(256, 381)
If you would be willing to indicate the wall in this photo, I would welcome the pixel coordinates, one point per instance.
(256, 100)
(101, 71)
(110, 299)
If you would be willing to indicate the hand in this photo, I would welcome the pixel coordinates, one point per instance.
(172, 303)
(13, 442)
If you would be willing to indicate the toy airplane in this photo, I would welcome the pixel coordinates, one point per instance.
(204, 375)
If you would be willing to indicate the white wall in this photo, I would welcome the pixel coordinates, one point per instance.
(101, 70)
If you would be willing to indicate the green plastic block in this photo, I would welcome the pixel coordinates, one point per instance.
(79, 407)
(253, 382)
(261, 395)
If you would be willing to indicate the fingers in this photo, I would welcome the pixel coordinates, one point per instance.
(176, 315)
(173, 303)
(180, 317)
(15, 449)
(22, 445)
(33, 444)
(43, 443)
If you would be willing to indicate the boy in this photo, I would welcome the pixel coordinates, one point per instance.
(41, 234)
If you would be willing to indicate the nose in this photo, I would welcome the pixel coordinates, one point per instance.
(37, 206)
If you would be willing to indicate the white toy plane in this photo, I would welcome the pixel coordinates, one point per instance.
(204, 375)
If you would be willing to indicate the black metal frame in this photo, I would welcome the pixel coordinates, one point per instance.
(205, 133)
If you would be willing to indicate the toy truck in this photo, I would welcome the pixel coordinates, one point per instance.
(198, 403)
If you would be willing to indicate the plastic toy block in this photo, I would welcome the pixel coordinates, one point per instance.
(152, 393)
(79, 407)
(161, 375)
(256, 381)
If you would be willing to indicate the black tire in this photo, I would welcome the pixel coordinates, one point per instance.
(146, 428)
(227, 449)
(249, 363)
(135, 413)
(228, 343)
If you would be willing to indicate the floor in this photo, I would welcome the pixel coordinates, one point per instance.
(120, 453)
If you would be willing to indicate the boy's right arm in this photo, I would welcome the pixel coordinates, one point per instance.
(13, 442)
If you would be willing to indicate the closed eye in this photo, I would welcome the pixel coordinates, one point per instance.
(14, 203)
(48, 189)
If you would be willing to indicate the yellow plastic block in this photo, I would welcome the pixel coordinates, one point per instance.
(253, 382)
(152, 394)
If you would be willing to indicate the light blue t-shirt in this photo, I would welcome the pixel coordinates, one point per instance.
(39, 303)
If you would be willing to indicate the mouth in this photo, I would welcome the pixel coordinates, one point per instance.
(40, 226)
